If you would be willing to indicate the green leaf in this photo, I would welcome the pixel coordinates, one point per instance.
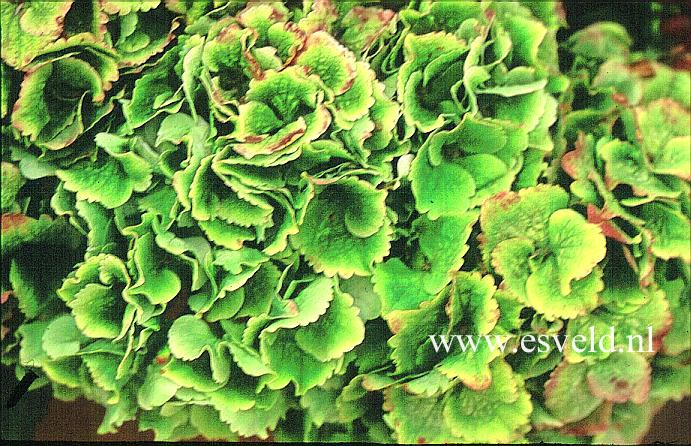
(18, 229)
(29, 298)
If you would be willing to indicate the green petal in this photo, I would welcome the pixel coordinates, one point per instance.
(602, 40)
(651, 312)
(260, 419)
(364, 26)
(308, 306)
(621, 377)
(156, 389)
(12, 181)
(625, 163)
(567, 395)
(440, 190)
(671, 231)
(498, 414)
(677, 341)
(271, 120)
(331, 62)
(354, 103)
(353, 240)
(29, 29)
(522, 214)
(260, 17)
(578, 246)
(544, 293)
(62, 337)
(226, 234)
(154, 93)
(158, 283)
(110, 180)
(280, 351)
(189, 337)
(343, 328)
(143, 34)
(399, 287)
(209, 201)
(416, 419)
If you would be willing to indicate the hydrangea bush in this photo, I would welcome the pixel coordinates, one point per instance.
(238, 220)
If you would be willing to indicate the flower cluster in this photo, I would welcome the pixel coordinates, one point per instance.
(245, 219)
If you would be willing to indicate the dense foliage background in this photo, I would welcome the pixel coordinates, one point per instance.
(230, 220)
